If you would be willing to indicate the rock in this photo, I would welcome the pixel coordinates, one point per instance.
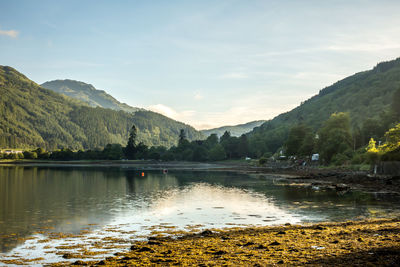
(219, 252)
(145, 249)
(275, 243)
(342, 187)
(206, 233)
(153, 243)
(67, 256)
(79, 263)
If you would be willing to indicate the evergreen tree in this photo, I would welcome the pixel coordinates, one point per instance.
(130, 149)
(225, 136)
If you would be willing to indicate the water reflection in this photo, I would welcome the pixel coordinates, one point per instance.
(67, 200)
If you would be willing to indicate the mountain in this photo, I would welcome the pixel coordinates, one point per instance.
(87, 93)
(236, 130)
(365, 95)
(32, 116)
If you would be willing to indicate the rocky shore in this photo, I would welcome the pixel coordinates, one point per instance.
(356, 243)
(342, 180)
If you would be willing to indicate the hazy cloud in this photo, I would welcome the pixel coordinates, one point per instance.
(198, 96)
(9, 33)
(234, 75)
(184, 116)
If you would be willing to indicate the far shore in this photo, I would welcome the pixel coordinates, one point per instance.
(340, 179)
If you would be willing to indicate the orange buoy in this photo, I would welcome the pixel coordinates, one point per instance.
(142, 174)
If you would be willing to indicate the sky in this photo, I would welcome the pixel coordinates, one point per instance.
(206, 63)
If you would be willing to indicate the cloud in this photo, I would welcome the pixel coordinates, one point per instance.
(183, 116)
(234, 75)
(10, 33)
(242, 110)
(198, 96)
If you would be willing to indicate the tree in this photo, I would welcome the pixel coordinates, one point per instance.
(225, 137)
(112, 151)
(308, 144)
(200, 153)
(182, 135)
(392, 139)
(396, 103)
(335, 137)
(388, 151)
(372, 128)
(30, 155)
(243, 146)
(142, 151)
(130, 149)
(295, 139)
(183, 143)
(217, 153)
(211, 141)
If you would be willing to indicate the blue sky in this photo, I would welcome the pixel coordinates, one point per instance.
(206, 63)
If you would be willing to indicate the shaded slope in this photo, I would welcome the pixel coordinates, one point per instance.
(32, 116)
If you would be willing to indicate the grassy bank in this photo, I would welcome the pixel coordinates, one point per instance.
(368, 242)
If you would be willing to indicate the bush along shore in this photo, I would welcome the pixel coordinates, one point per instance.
(354, 243)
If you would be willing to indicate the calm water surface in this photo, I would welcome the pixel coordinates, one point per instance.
(36, 201)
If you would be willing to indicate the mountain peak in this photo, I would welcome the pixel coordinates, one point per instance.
(87, 93)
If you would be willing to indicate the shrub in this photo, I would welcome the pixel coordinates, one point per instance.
(262, 161)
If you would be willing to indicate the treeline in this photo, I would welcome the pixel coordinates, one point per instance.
(334, 142)
(211, 149)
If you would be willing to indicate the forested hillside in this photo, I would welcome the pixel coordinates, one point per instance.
(87, 93)
(32, 116)
(366, 96)
(235, 130)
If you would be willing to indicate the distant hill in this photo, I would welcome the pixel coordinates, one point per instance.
(364, 95)
(32, 116)
(87, 93)
(236, 130)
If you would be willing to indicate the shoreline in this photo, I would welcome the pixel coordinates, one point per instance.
(341, 180)
(373, 241)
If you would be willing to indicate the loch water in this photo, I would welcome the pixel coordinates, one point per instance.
(35, 201)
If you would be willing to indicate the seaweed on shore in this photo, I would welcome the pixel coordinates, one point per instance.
(349, 243)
